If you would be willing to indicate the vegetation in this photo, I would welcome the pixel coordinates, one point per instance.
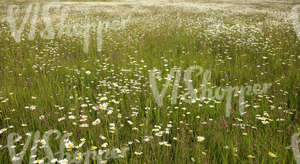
(105, 100)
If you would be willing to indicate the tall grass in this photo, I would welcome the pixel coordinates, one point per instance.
(239, 48)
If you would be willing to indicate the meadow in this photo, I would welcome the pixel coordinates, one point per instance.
(94, 88)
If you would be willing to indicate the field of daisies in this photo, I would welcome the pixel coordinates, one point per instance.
(78, 81)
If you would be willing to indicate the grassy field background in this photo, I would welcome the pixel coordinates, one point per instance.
(53, 84)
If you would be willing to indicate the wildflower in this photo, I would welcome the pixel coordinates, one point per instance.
(118, 151)
(78, 157)
(102, 137)
(18, 139)
(3, 130)
(103, 106)
(147, 139)
(41, 117)
(155, 130)
(203, 153)
(53, 160)
(103, 98)
(15, 158)
(100, 107)
(61, 119)
(96, 122)
(84, 117)
(69, 145)
(63, 161)
(104, 145)
(200, 138)
(164, 143)
(93, 147)
(88, 72)
(272, 154)
(256, 106)
(251, 156)
(32, 107)
(167, 144)
(39, 161)
(84, 125)
(266, 114)
(203, 123)
(81, 144)
(109, 112)
(159, 134)
(265, 122)
(130, 122)
(193, 159)
(138, 153)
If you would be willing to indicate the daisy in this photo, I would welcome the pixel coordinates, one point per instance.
(3, 130)
(96, 122)
(118, 151)
(200, 138)
(88, 72)
(130, 122)
(109, 112)
(138, 153)
(69, 145)
(103, 137)
(53, 160)
(84, 125)
(72, 117)
(15, 158)
(39, 161)
(104, 145)
(103, 98)
(103, 106)
(63, 161)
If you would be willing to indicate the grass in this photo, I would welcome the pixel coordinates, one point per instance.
(239, 48)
